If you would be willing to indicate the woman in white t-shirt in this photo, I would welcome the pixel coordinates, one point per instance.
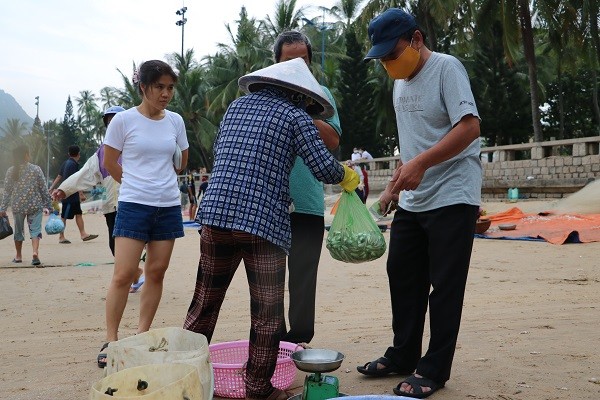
(146, 137)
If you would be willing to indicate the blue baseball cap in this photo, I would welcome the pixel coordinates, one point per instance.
(385, 30)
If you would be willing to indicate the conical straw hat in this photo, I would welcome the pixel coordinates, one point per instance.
(294, 75)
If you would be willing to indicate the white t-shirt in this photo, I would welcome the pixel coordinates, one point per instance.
(366, 155)
(147, 148)
(355, 156)
(359, 172)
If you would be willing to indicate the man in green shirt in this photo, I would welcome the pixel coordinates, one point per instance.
(307, 219)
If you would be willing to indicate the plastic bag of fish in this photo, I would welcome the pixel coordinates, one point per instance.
(354, 236)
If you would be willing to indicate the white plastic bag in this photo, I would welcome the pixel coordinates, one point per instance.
(151, 382)
(163, 346)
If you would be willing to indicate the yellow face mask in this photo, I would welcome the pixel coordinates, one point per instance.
(404, 65)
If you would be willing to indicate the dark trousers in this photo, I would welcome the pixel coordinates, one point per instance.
(110, 223)
(303, 263)
(429, 250)
(221, 252)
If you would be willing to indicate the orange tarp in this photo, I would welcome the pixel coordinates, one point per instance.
(553, 228)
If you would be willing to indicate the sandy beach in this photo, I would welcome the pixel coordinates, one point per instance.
(530, 326)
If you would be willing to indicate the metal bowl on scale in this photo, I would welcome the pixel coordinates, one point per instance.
(317, 360)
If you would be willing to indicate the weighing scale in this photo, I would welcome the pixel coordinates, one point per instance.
(318, 386)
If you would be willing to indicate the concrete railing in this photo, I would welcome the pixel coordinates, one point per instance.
(539, 170)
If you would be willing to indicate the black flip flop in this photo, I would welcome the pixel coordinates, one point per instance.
(370, 368)
(102, 356)
(417, 385)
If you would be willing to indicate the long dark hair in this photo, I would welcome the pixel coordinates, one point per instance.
(19, 154)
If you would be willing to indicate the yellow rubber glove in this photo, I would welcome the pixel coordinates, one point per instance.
(351, 179)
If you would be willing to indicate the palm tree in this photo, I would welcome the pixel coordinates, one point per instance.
(285, 18)
(524, 15)
(250, 50)
(89, 120)
(346, 10)
(590, 15)
(559, 22)
(108, 97)
(37, 145)
(129, 96)
(86, 102)
(13, 131)
(191, 102)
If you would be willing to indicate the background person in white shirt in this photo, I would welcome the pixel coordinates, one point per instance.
(364, 155)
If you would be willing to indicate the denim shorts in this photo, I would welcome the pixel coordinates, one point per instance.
(148, 223)
(34, 223)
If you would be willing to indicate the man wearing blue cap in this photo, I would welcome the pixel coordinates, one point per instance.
(438, 186)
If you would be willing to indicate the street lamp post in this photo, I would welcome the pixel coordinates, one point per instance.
(322, 27)
(181, 23)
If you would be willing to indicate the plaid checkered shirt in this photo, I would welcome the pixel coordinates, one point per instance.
(259, 138)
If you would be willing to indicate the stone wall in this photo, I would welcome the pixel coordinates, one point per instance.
(540, 170)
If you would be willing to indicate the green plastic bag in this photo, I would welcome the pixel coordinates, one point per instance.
(354, 236)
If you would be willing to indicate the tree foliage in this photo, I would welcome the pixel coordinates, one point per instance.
(356, 108)
(530, 63)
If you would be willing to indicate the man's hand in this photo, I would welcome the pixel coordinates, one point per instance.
(58, 194)
(387, 202)
(408, 176)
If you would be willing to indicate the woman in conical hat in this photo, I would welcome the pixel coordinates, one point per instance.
(244, 214)
(296, 80)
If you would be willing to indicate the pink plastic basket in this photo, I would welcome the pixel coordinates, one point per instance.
(228, 360)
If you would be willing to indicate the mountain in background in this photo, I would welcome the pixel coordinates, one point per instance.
(9, 108)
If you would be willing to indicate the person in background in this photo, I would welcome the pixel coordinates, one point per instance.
(203, 186)
(149, 207)
(365, 181)
(439, 175)
(253, 161)
(92, 173)
(364, 155)
(25, 192)
(191, 188)
(360, 189)
(71, 206)
(307, 220)
(355, 154)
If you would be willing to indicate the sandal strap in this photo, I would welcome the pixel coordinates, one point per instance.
(417, 384)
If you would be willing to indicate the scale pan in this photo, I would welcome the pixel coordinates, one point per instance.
(317, 360)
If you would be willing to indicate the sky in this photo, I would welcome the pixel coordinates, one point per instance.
(56, 48)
